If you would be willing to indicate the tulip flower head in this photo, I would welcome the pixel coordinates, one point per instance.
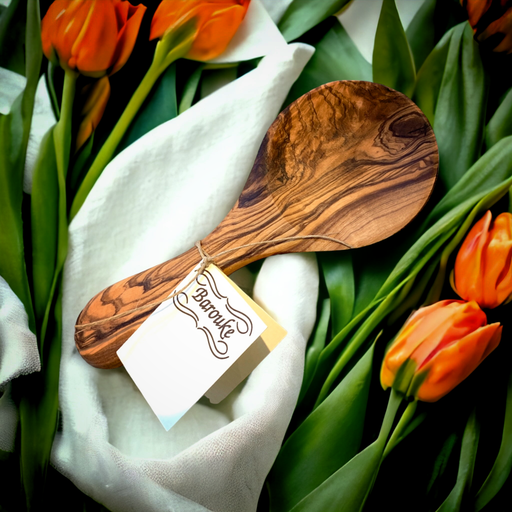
(438, 347)
(491, 21)
(212, 24)
(91, 37)
(483, 267)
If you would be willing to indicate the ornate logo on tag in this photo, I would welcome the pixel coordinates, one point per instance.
(213, 314)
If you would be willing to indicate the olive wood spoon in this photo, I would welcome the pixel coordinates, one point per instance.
(355, 161)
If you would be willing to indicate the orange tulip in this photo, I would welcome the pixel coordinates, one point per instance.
(93, 37)
(491, 21)
(483, 268)
(437, 348)
(215, 23)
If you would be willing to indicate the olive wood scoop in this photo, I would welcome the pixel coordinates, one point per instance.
(354, 161)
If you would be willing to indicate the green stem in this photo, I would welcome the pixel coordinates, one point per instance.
(394, 402)
(62, 131)
(395, 399)
(109, 147)
(396, 436)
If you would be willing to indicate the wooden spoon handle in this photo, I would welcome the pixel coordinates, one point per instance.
(98, 343)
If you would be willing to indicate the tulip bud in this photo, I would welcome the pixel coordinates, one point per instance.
(483, 268)
(96, 99)
(437, 348)
(491, 21)
(214, 24)
(92, 37)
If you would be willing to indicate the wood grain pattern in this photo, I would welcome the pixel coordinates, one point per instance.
(355, 161)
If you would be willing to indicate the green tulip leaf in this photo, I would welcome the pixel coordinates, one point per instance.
(430, 76)
(442, 460)
(433, 19)
(370, 277)
(324, 442)
(315, 349)
(346, 490)
(12, 36)
(14, 134)
(339, 278)
(502, 467)
(491, 169)
(190, 89)
(39, 410)
(303, 15)
(468, 451)
(421, 32)
(159, 107)
(391, 46)
(500, 124)
(12, 259)
(336, 57)
(50, 78)
(460, 108)
(44, 214)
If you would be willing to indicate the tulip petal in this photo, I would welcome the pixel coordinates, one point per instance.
(469, 264)
(450, 366)
(57, 27)
(503, 26)
(167, 15)
(431, 328)
(498, 30)
(476, 10)
(122, 10)
(50, 27)
(95, 46)
(72, 24)
(126, 38)
(484, 262)
(459, 320)
(214, 35)
(499, 255)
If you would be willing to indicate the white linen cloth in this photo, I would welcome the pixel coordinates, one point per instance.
(160, 195)
(18, 356)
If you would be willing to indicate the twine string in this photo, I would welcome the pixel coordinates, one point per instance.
(206, 260)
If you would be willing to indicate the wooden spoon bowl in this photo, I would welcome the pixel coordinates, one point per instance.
(354, 161)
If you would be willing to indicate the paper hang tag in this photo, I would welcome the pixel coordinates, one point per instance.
(204, 341)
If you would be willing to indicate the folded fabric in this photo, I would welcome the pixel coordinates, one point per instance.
(18, 356)
(152, 202)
